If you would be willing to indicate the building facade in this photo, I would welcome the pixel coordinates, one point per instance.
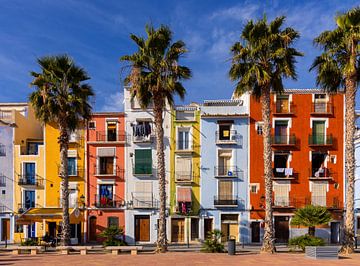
(184, 174)
(224, 169)
(307, 128)
(142, 186)
(105, 150)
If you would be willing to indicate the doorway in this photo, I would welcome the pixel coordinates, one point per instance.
(52, 229)
(142, 228)
(177, 230)
(281, 229)
(92, 229)
(207, 227)
(5, 225)
(255, 232)
(335, 232)
(229, 227)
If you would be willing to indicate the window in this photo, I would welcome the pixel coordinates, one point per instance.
(281, 193)
(183, 169)
(318, 168)
(73, 136)
(254, 188)
(2, 150)
(318, 132)
(225, 189)
(91, 125)
(111, 130)
(224, 132)
(72, 166)
(113, 222)
(282, 104)
(281, 131)
(106, 195)
(19, 228)
(72, 198)
(259, 127)
(2, 180)
(143, 162)
(29, 173)
(32, 148)
(185, 115)
(281, 165)
(183, 140)
(3, 192)
(106, 165)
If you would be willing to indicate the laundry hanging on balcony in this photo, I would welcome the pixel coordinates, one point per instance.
(141, 129)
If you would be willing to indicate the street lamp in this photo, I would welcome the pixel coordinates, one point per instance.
(82, 201)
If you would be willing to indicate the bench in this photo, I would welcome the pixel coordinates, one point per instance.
(116, 249)
(34, 250)
(326, 252)
(65, 250)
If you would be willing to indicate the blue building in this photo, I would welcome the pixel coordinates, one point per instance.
(224, 164)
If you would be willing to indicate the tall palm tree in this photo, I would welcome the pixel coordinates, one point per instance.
(337, 68)
(61, 97)
(156, 77)
(260, 61)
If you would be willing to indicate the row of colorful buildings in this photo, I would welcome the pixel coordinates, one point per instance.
(214, 170)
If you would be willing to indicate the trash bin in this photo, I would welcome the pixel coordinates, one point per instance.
(231, 246)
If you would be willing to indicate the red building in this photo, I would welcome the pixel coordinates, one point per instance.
(307, 157)
(105, 172)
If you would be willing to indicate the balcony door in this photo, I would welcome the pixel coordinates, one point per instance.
(318, 132)
(281, 193)
(29, 199)
(280, 164)
(225, 130)
(318, 164)
(107, 165)
(225, 190)
(106, 194)
(183, 139)
(282, 104)
(224, 162)
(111, 130)
(281, 131)
(29, 171)
(183, 169)
(72, 166)
(320, 103)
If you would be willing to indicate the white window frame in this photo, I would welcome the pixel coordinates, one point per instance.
(184, 129)
(257, 125)
(92, 128)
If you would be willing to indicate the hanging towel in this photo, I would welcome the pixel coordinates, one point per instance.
(280, 170)
(288, 171)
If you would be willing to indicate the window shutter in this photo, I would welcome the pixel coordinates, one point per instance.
(183, 168)
(143, 161)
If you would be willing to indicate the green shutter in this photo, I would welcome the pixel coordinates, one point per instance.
(319, 132)
(143, 162)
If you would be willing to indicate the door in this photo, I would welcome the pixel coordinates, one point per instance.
(281, 229)
(225, 230)
(281, 128)
(31, 230)
(29, 198)
(92, 229)
(30, 173)
(255, 232)
(142, 228)
(319, 132)
(5, 225)
(207, 227)
(52, 229)
(234, 231)
(282, 104)
(194, 229)
(335, 232)
(177, 230)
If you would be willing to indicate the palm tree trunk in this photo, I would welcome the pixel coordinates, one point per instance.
(311, 231)
(350, 94)
(63, 141)
(158, 113)
(268, 241)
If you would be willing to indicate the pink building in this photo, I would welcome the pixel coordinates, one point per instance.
(105, 146)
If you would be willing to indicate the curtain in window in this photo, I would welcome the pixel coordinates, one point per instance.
(318, 194)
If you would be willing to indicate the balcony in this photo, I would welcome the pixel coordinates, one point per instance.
(286, 202)
(280, 110)
(30, 181)
(321, 173)
(183, 177)
(184, 147)
(283, 140)
(103, 172)
(77, 172)
(6, 115)
(143, 200)
(228, 172)
(320, 140)
(2, 181)
(3, 209)
(228, 137)
(103, 202)
(225, 201)
(143, 139)
(2, 150)
(330, 203)
(110, 137)
(322, 109)
(283, 174)
(23, 207)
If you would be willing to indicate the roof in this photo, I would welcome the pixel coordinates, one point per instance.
(230, 102)
(109, 113)
(303, 90)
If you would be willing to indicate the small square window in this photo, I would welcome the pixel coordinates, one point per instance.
(254, 189)
(333, 159)
(92, 125)
(3, 192)
(259, 128)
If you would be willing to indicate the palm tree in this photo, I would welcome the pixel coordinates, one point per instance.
(260, 61)
(311, 216)
(61, 97)
(156, 77)
(337, 68)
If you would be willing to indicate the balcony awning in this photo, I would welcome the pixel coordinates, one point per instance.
(184, 194)
(106, 152)
(38, 214)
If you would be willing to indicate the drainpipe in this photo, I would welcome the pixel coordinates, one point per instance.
(86, 182)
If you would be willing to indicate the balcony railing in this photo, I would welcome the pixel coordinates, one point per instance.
(283, 140)
(183, 176)
(225, 200)
(227, 171)
(321, 173)
(230, 138)
(320, 140)
(143, 200)
(77, 172)
(29, 151)
(143, 139)
(2, 181)
(5, 115)
(280, 110)
(104, 136)
(23, 207)
(102, 201)
(73, 202)
(30, 180)
(322, 108)
(332, 203)
(3, 209)
(286, 202)
(283, 173)
(117, 172)
(186, 147)
(2, 150)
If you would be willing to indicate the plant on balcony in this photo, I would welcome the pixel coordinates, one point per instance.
(263, 57)
(61, 98)
(305, 240)
(113, 236)
(156, 76)
(213, 242)
(311, 216)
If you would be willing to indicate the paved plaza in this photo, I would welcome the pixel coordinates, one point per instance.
(174, 258)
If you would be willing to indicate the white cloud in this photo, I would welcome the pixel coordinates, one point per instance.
(114, 103)
(241, 13)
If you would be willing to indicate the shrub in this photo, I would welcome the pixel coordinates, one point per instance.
(29, 242)
(212, 242)
(113, 235)
(306, 240)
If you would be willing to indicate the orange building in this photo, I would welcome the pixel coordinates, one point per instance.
(307, 157)
(105, 172)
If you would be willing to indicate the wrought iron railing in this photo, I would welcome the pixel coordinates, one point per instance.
(105, 136)
(30, 180)
(320, 139)
(102, 201)
(225, 200)
(322, 108)
(143, 200)
(226, 137)
(283, 139)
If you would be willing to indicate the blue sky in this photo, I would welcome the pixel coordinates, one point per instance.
(96, 33)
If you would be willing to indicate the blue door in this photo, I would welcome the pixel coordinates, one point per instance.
(30, 173)
(31, 230)
(29, 198)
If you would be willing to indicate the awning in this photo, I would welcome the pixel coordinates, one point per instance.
(184, 194)
(39, 214)
(106, 152)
